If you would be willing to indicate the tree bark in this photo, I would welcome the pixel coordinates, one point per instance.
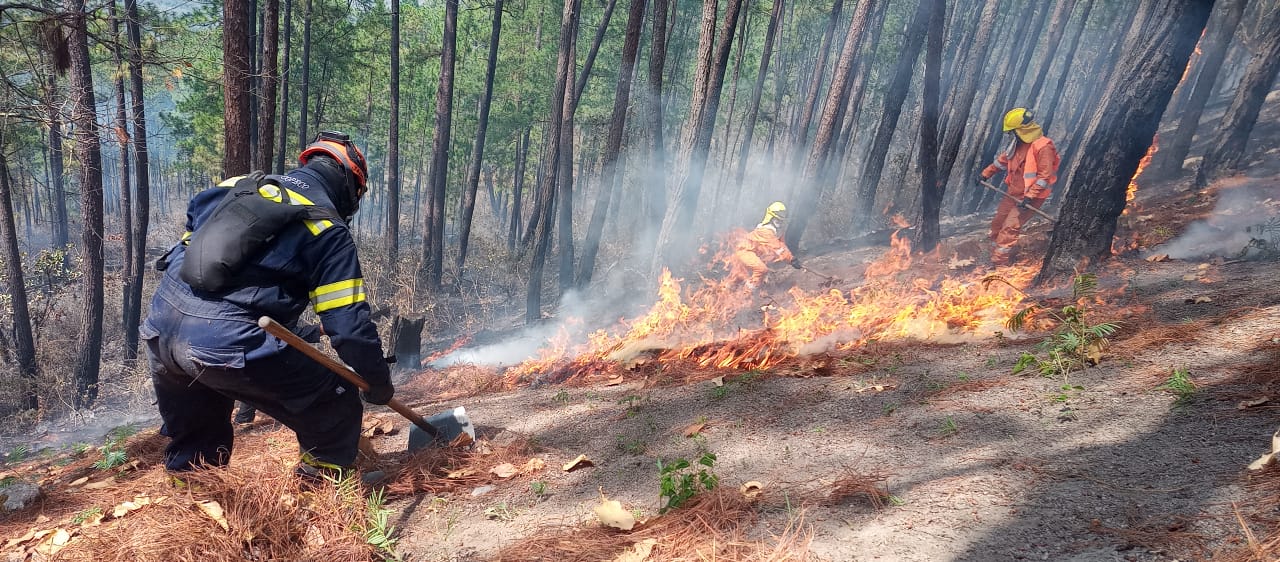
(236, 74)
(815, 84)
(57, 171)
(932, 185)
(1050, 109)
(828, 126)
(613, 144)
(547, 183)
(967, 91)
(305, 86)
(142, 184)
(393, 142)
(89, 155)
(1216, 42)
(753, 110)
(433, 264)
(1051, 41)
(522, 158)
(22, 337)
(477, 149)
(1120, 133)
(591, 55)
(564, 178)
(655, 187)
(268, 79)
(896, 94)
(126, 198)
(282, 141)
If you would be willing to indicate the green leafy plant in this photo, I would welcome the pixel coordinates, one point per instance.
(111, 457)
(679, 482)
(631, 446)
(86, 515)
(8, 481)
(1180, 384)
(539, 488)
(17, 454)
(1076, 343)
(948, 427)
(561, 397)
(378, 532)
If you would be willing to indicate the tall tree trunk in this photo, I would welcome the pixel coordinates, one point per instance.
(1068, 63)
(57, 171)
(22, 338)
(654, 185)
(702, 121)
(1220, 31)
(282, 141)
(617, 125)
(305, 86)
(591, 55)
(564, 188)
(932, 185)
(547, 182)
(828, 125)
(1120, 133)
(122, 140)
(142, 185)
(89, 156)
(896, 94)
(393, 143)
(236, 74)
(861, 79)
(1051, 41)
(967, 91)
(815, 84)
(482, 128)
(268, 79)
(522, 159)
(433, 265)
(753, 110)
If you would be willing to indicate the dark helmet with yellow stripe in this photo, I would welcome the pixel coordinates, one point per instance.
(337, 146)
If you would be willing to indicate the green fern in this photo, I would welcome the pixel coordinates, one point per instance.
(1075, 342)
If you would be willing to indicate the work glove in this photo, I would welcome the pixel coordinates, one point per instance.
(1025, 203)
(981, 178)
(378, 394)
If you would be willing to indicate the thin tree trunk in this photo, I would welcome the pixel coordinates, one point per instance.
(305, 86)
(1120, 133)
(57, 173)
(281, 148)
(1068, 63)
(753, 110)
(268, 80)
(477, 149)
(1221, 29)
(22, 337)
(967, 91)
(236, 74)
(122, 140)
(439, 174)
(89, 156)
(932, 185)
(815, 84)
(617, 125)
(591, 55)
(1051, 41)
(393, 142)
(547, 182)
(522, 158)
(896, 94)
(654, 185)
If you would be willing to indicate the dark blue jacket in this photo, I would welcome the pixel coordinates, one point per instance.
(311, 262)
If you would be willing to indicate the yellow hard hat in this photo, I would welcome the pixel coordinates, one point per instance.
(1018, 117)
(775, 210)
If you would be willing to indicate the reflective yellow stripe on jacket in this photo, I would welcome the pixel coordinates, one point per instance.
(339, 294)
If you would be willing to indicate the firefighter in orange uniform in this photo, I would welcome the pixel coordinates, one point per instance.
(1031, 163)
(762, 246)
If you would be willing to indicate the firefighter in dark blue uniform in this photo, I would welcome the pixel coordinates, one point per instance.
(205, 347)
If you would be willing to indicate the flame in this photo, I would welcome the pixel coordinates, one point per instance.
(716, 324)
(1132, 191)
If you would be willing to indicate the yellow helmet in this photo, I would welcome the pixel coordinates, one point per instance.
(775, 210)
(1018, 117)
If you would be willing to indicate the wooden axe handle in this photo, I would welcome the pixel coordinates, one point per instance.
(278, 330)
(1006, 194)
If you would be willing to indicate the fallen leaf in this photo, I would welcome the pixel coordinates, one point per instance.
(957, 263)
(1158, 258)
(533, 465)
(99, 484)
(1189, 277)
(694, 429)
(56, 541)
(876, 388)
(1266, 459)
(386, 428)
(611, 514)
(1202, 266)
(718, 381)
(1094, 353)
(214, 510)
(752, 489)
(1145, 218)
(19, 540)
(615, 381)
(1244, 405)
(313, 538)
(639, 552)
(460, 473)
(504, 470)
(1199, 300)
(580, 462)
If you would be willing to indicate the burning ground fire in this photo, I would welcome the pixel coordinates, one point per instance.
(718, 324)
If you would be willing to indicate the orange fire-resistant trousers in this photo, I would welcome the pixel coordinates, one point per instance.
(1007, 226)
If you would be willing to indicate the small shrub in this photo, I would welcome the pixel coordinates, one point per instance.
(1180, 384)
(679, 482)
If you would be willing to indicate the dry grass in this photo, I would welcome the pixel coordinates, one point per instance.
(716, 525)
(853, 486)
(442, 471)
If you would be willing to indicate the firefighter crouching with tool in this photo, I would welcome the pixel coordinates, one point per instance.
(763, 245)
(269, 246)
(1031, 162)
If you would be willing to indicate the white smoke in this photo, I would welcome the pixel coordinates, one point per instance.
(1226, 232)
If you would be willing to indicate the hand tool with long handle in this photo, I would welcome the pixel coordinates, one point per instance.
(1006, 194)
(445, 427)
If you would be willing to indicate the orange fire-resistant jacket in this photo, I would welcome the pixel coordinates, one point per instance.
(1033, 168)
(765, 243)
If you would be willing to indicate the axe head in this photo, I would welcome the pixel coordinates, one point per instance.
(454, 426)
